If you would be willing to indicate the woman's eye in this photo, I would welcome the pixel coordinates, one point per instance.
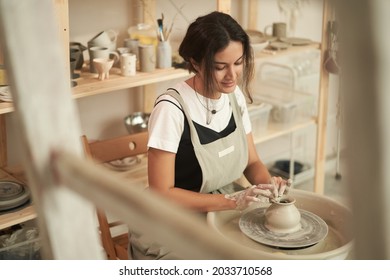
(239, 62)
(219, 68)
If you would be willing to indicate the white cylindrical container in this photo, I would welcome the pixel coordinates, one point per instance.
(147, 58)
(164, 54)
(128, 64)
(133, 45)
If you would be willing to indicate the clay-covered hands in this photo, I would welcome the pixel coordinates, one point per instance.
(272, 191)
(280, 187)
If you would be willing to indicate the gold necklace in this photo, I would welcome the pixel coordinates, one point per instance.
(213, 111)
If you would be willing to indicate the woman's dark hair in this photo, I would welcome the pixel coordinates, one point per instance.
(210, 34)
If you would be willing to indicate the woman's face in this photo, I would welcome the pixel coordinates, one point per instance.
(228, 67)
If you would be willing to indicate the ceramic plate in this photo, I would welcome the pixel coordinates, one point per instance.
(296, 41)
(12, 194)
(313, 230)
(123, 164)
(279, 45)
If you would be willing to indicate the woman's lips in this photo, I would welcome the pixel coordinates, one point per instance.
(228, 84)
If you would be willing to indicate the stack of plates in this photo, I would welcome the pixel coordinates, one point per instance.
(12, 195)
(5, 94)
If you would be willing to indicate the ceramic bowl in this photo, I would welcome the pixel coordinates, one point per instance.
(258, 40)
(137, 122)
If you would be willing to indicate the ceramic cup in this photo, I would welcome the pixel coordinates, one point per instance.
(72, 67)
(75, 55)
(279, 30)
(104, 39)
(100, 52)
(133, 45)
(103, 66)
(123, 50)
(147, 58)
(128, 64)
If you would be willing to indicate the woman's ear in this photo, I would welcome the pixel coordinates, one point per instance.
(195, 65)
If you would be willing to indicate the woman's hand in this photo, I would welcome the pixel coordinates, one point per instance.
(272, 191)
(280, 187)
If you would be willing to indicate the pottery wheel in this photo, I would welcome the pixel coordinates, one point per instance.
(313, 230)
(12, 195)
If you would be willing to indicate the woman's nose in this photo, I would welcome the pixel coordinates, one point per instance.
(230, 73)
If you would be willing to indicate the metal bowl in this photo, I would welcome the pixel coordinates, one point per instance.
(137, 122)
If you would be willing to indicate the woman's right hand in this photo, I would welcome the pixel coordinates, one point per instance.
(272, 191)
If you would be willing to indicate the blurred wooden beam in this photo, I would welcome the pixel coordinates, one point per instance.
(252, 14)
(46, 117)
(224, 6)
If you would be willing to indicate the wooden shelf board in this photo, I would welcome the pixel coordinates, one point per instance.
(266, 53)
(6, 107)
(88, 84)
(23, 215)
(275, 131)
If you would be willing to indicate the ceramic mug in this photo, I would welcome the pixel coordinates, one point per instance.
(100, 52)
(128, 64)
(279, 30)
(104, 39)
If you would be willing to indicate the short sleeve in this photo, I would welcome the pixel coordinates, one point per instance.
(166, 124)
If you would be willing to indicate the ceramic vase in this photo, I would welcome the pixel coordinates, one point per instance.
(283, 216)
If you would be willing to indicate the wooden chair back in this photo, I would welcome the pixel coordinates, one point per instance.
(105, 151)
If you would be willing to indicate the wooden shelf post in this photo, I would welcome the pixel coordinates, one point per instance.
(320, 156)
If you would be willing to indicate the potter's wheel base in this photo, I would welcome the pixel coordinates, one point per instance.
(313, 230)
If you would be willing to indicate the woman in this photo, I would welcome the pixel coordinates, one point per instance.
(200, 138)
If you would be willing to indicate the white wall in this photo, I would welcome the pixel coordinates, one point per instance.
(102, 115)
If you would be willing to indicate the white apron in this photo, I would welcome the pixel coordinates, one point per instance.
(222, 162)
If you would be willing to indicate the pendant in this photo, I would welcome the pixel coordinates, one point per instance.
(208, 117)
(213, 111)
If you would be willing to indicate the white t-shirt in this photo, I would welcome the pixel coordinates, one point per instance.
(166, 123)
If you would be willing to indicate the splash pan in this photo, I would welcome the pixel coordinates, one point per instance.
(313, 230)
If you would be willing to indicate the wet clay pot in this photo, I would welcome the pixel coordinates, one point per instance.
(283, 216)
